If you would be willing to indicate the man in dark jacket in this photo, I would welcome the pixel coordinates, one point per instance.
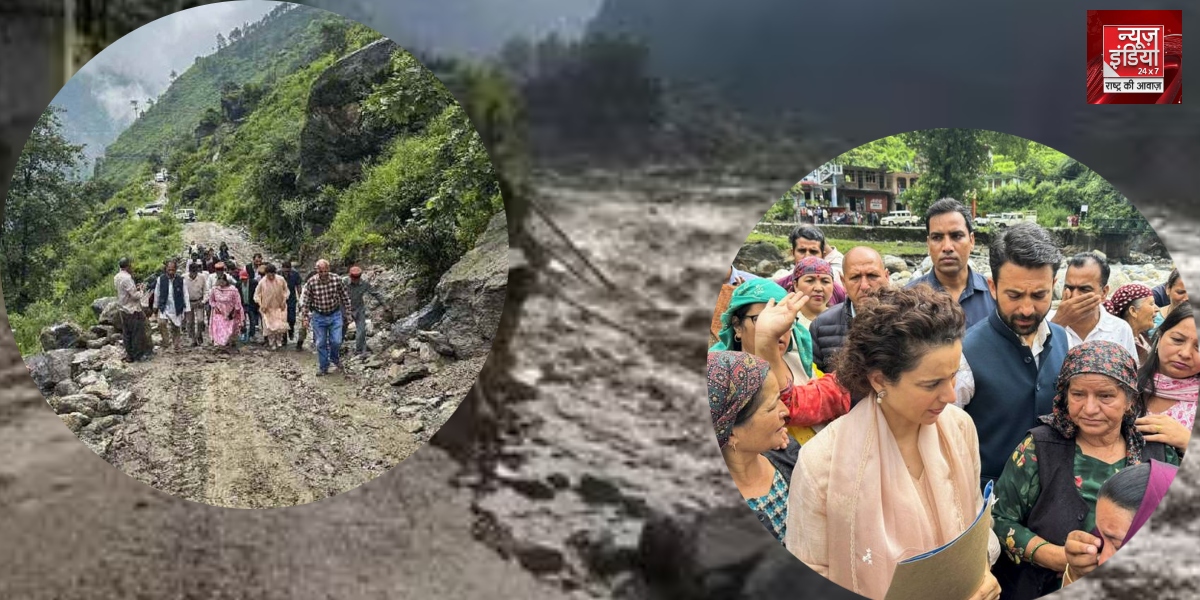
(172, 305)
(1011, 360)
(292, 277)
(247, 285)
(863, 272)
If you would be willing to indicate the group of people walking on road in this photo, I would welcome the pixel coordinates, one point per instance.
(258, 304)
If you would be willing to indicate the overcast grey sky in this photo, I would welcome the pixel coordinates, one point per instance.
(145, 58)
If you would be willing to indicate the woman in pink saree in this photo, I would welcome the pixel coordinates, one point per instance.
(227, 313)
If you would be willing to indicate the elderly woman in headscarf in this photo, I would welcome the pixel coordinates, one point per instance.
(812, 277)
(750, 424)
(1050, 484)
(787, 347)
(1169, 381)
(1134, 303)
(1123, 506)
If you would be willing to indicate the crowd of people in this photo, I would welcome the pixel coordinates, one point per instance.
(822, 216)
(226, 307)
(863, 422)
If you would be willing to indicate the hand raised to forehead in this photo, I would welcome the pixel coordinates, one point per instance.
(777, 318)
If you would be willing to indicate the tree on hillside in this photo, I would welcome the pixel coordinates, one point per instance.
(333, 35)
(135, 107)
(889, 153)
(952, 160)
(174, 75)
(235, 35)
(41, 208)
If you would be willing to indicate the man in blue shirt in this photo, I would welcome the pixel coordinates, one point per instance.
(950, 235)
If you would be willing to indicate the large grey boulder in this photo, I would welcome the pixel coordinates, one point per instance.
(337, 137)
(60, 336)
(75, 421)
(49, 368)
(761, 258)
(894, 264)
(66, 387)
(86, 360)
(471, 295)
(85, 404)
(111, 315)
(99, 305)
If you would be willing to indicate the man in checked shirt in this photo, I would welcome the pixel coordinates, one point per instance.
(326, 301)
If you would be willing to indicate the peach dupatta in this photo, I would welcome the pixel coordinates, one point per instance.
(854, 511)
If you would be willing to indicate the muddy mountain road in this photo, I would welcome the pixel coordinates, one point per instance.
(257, 428)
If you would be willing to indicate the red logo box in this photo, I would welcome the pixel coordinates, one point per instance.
(1135, 57)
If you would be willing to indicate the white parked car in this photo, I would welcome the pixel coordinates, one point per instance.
(1012, 218)
(149, 210)
(899, 218)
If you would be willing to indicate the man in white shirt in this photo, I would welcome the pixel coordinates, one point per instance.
(1081, 311)
(133, 319)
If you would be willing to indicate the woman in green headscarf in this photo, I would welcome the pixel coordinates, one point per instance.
(810, 402)
(738, 322)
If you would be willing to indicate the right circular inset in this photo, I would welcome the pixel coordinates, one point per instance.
(953, 363)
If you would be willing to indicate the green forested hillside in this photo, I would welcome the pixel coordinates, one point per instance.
(274, 47)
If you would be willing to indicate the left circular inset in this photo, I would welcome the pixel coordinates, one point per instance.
(255, 254)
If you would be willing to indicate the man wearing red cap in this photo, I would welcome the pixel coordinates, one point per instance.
(359, 289)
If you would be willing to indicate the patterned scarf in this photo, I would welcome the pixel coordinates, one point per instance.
(1183, 390)
(733, 380)
(811, 265)
(1102, 358)
(1124, 297)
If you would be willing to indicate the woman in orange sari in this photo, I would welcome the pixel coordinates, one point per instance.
(271, 295)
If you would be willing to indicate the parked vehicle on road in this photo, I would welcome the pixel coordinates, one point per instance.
(1012, 218)
(899, 218)
(150, 210)
(186, 215)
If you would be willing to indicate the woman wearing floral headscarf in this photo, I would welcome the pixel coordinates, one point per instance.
(812, 277)
(750, 423)
(1134, 303)
(1049, 486)
(761, 320)
(1170, 381)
